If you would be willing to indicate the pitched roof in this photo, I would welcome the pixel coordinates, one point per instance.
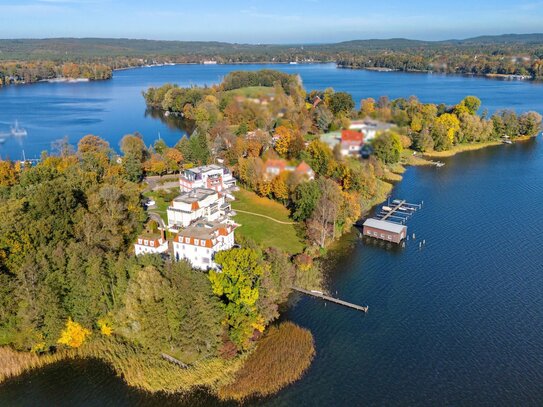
(276, 164)
(304, 168)
(351, 136)
(384, 225)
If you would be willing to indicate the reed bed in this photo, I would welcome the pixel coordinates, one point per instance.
(281, 358)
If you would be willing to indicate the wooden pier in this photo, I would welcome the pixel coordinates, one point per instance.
(325, 297)
(398, 211)
(393, 210)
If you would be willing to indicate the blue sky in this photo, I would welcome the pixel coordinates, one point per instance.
(260, 21)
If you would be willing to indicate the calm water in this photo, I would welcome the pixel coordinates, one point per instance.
(456, 323)
(114, 108)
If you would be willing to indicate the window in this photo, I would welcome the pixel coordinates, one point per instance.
(203, 243)
(152, 243)
(382, 235)
(196, 242)
(187, 240)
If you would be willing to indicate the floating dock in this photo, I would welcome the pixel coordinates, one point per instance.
(319, 294)
(389, 222)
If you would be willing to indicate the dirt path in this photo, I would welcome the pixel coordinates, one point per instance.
(264, 216)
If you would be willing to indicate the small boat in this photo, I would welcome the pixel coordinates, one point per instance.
(4, 137)
(507, 141)
(387, 208)
(17, 131)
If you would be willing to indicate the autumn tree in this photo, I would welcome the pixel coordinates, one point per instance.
(237, 286)
(341, 103)
(73, 334)
(388, 148)
(321, 225)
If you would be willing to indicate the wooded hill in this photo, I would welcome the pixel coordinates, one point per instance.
(89, 48)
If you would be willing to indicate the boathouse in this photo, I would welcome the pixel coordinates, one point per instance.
(383, 230)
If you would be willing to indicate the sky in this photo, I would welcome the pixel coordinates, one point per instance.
(265, 21)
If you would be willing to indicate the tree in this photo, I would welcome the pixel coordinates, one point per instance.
(388, 148)
(445, 130)
(341, 103)
(470, 105)
(319, 157)
(530, 124)
(367, 107)
(279, 187)
(321, 225)
(423, 141)
(133, 145)
(73, 334)
(284, 137)
(237, 286)
(8, 173)
(93, 144)
(304, 200)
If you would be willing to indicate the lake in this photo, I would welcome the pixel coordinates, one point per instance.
(111, 109)
(457, 322)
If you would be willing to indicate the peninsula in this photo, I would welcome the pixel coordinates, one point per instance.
(171, 263)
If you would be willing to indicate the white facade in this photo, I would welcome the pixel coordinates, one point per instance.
(370, 127)
(150, 245)
(350, 149)
(199, 203)
(199, 243)
(211, 176)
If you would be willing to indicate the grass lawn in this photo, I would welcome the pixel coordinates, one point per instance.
(161, 205)
(252, 91)
(262, 230)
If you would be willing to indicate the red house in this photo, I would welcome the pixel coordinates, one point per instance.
(351, 142)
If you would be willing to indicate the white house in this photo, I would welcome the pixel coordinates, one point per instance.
(199, 203)
(212, 176)
(370, 127)
(200, 242)
(150, 244)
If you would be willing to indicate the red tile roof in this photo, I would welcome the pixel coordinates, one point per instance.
(351, 136)
(281, 164)
(303, 168)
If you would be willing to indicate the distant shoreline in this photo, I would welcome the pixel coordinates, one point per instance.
(504, 77)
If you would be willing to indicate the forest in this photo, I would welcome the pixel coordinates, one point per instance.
(30, 60)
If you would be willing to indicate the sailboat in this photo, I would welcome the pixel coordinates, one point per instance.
(17, 131)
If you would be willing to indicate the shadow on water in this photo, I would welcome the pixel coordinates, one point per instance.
(89, 383)
(173, 121)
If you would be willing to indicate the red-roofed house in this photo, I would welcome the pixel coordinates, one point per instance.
(200, 242)
(351, 142)
(275, 167)
(304, 169)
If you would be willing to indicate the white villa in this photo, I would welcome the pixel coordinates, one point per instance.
(199, 243)
(212, 176)
(199, 203)
(150, 244)
(370, 127)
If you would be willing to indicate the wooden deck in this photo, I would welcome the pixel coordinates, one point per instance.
(325, 297)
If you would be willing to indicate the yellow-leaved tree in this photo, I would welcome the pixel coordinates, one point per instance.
(73, 335)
